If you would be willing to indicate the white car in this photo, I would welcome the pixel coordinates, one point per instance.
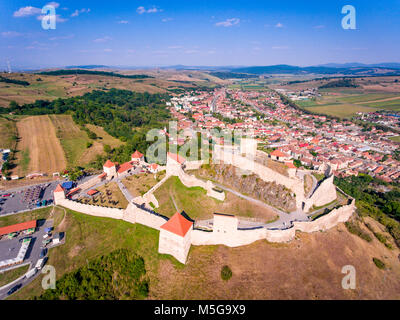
(45, 236)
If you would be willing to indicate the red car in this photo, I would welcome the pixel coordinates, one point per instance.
(6, 195)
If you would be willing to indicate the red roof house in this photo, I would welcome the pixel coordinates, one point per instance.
(18, 227)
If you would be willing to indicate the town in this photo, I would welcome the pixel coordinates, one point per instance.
(290, 135)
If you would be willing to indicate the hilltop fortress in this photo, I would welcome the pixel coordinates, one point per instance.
(178, 233)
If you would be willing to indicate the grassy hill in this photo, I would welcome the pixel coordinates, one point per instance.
(52, 85)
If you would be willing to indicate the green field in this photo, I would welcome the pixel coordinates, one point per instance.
(367, 97)
(346, 105)
(340, 110)
(11, 275)
(195, 202)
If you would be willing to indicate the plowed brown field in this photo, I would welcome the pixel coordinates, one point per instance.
(38, 137)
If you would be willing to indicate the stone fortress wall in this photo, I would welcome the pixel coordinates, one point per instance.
(324, 194)
(226, 232)
(133, 213)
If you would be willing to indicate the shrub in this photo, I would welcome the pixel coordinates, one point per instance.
(379, 263)
(118, 275)
(354, 228)
(226, 273)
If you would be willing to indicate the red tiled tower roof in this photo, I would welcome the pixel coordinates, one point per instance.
(59, 188)
(137, 155)
(178, 225)
(109, 164)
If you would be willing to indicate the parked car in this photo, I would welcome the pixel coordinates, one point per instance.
(6, 195)
(13, 289)
(42, 253)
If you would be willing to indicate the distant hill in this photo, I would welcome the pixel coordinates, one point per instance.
(64, 72)
(88, 67)
(391, 65)
(287, 69)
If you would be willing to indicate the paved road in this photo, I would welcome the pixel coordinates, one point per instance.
(32, 255)
(125, 191)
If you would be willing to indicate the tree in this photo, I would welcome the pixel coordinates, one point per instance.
(226, 273)
(107, 148)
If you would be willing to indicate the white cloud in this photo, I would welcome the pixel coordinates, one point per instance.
(27, 12)
(123, 22)
(280, 47)
(78, 12)
(279, 25)
(191, 51)
(62, 37)
(107, 50)
(54, 4)
(175, 47)
(10, 34)
(141, 10)
(104, 39)
(32, 11)
(167, 19)
(228, 23)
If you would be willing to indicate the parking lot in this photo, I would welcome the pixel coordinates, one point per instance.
(26, 198)
(9, 249)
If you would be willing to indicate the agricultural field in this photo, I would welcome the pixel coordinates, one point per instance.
(72, 138)
(321, 256)
(51, 143)
(38, 148)
(340, 110)
(196, 203)
(372, 94)
(8, 133)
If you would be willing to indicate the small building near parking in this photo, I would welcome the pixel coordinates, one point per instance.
(25, 226)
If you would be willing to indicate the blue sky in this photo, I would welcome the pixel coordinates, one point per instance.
(191, 32)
